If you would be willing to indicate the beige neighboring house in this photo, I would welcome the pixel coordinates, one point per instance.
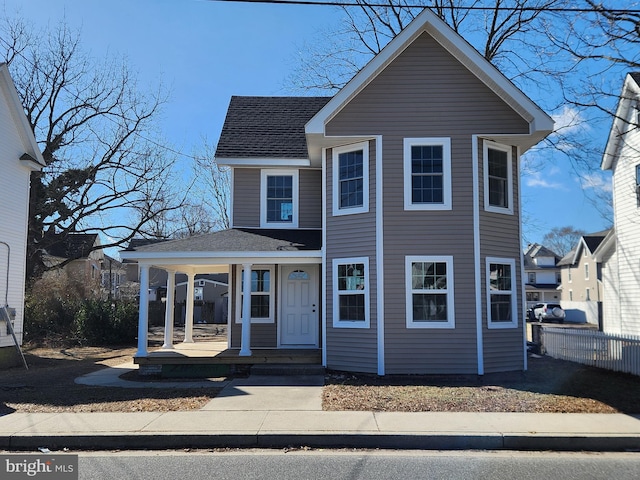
(620, 252)
(582, 294)
(85, 259)
(381, 226)
(19, 156)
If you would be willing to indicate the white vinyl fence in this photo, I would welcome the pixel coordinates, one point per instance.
(613, 352)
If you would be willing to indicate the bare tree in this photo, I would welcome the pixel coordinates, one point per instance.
(213, 186)
(106, 171)
(562, 240)
(499, 31)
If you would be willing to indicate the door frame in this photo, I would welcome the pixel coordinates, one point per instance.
(315, 273)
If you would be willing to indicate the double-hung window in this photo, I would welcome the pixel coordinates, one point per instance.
(638, 184)
(429, 292)
(498, 178)
(351, 292)
(427, 173)
(351, 179)
(501, 293)
(262, 305)
(279, 199)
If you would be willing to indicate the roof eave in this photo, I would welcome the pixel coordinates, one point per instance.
(17, 111)
(263, 162)
(614, 141)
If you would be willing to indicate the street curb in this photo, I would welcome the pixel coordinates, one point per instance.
(163, 441)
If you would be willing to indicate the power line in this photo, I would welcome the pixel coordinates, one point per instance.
(327, 3)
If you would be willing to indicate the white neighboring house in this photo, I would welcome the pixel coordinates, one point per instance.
(620, 251)
(542, 275)
(19, 156)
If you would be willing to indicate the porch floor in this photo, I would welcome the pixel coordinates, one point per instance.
(217, 353)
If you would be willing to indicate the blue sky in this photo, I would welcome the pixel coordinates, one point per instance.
(204, 52)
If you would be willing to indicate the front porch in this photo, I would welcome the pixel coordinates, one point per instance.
(208, 359)
(273, 309)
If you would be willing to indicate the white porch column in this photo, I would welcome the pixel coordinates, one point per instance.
(245, 340)
(169, 306)
(188, 320)
(143, 316)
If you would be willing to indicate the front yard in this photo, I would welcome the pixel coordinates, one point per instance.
(548, 386)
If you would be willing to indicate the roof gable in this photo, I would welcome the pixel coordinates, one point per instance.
(540, 124)
(629, 98)
(73, 245)
(32, 156)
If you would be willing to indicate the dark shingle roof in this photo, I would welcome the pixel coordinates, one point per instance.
(593, 240)
(267, 127)
(72, 245)
(636, 77)
(242, 240)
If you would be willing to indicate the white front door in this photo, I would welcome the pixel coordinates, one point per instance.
(299, 306)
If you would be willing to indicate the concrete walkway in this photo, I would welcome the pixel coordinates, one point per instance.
(279, 412)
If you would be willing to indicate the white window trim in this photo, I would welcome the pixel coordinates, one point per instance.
(337, 323)
(445, 142)
(364, 208)
(586, 271)
(504, 148)
(268, 172)
(514, 321)
(272, 317)
(409, 291)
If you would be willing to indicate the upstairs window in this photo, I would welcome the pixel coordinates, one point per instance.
(498, 178)
(279, 199)
(351, 179)
(427, 174)
(638, 185)
(501, 293)
(586, 271)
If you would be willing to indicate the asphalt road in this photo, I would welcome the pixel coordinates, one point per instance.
(367, 465)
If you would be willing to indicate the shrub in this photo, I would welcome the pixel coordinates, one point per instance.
(57, 313)
(100, 322)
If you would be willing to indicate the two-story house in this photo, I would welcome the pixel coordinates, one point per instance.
(19, 156)
(78, 258)
(581, 278)
(620, 252)
(381, 225)
(542, 275)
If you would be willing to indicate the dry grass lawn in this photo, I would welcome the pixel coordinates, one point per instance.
(548, 386)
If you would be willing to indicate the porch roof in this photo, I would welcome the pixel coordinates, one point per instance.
(213, 252)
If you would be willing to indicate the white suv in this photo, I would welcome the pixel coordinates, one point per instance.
(548, 311)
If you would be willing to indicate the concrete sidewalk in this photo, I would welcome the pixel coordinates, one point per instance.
(279, 412)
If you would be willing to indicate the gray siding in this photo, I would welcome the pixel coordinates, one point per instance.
(310, 197)
(352, 349)
(426, 92)
(499, 237)
(246, 197)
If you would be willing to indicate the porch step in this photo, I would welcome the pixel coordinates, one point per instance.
(286, 369)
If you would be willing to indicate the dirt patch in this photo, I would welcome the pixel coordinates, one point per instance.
(548, 386)
(49, 386)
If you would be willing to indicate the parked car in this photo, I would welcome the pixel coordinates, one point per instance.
(548, 311)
